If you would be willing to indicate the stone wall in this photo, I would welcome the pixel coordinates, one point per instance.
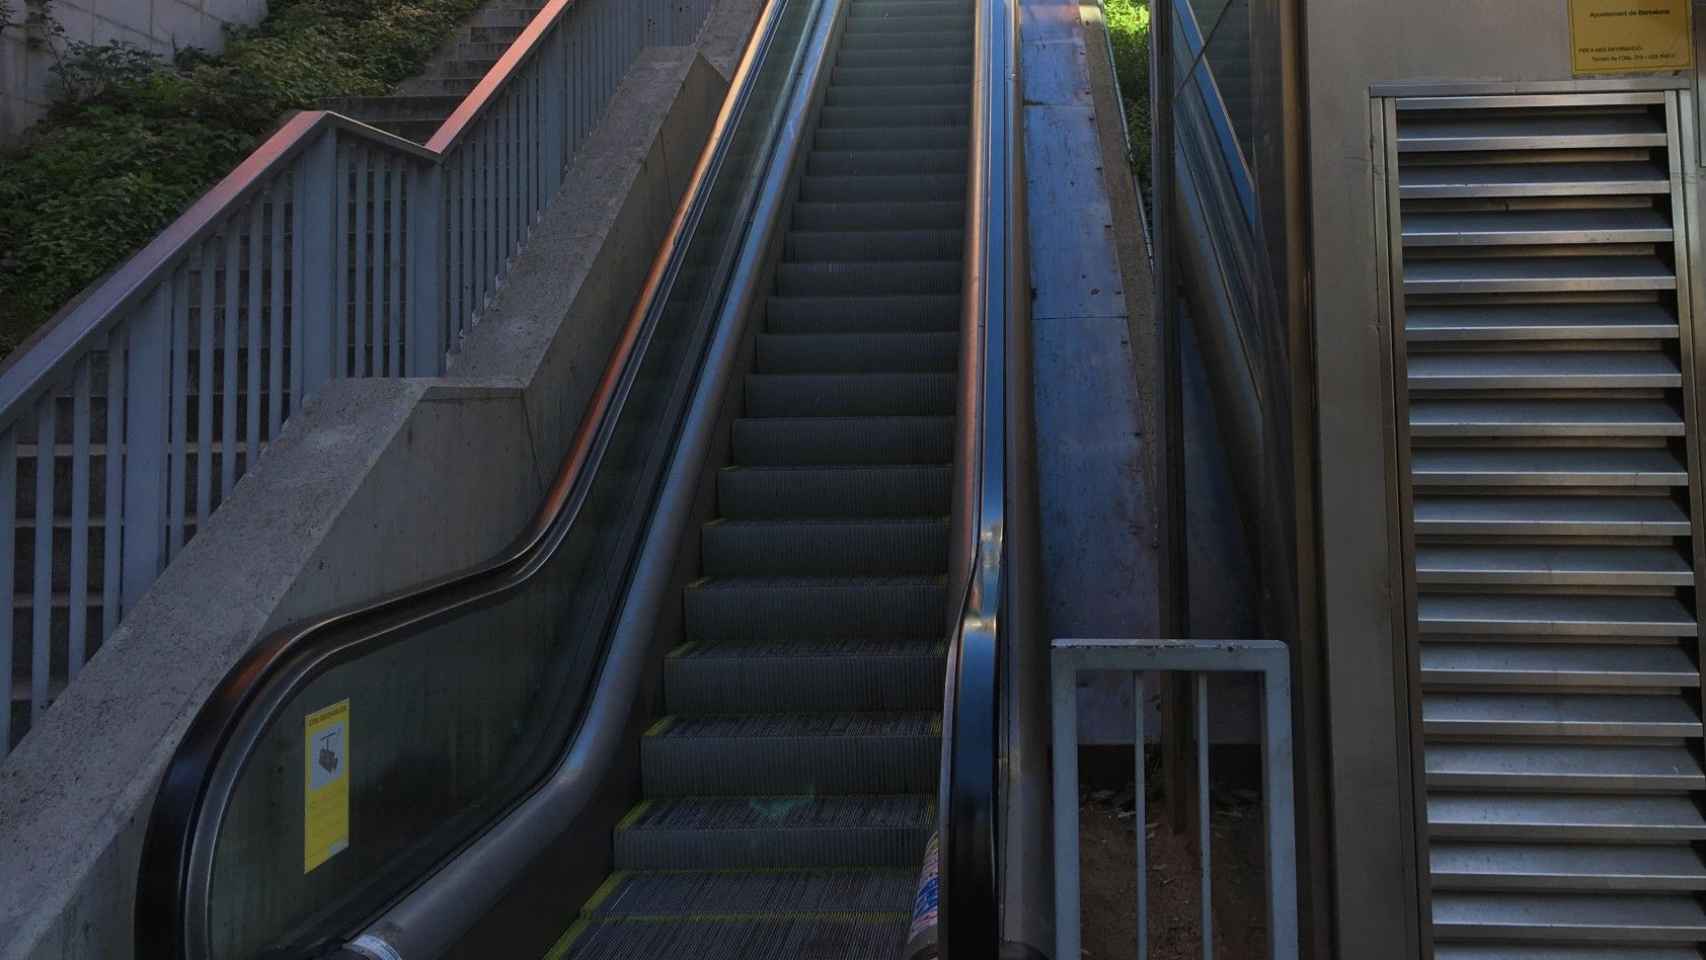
(26, 80)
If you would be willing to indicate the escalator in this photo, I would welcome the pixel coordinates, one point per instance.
(792, 781)
(772, 629)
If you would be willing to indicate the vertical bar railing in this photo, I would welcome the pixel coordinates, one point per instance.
(335, 250)
(1196, 659)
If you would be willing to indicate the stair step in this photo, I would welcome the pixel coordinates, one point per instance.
(774, 492)
(792, 754)
(858, 353)
(1600, 370)
(1545, 418)
(951, 135)
(1564, 767)
(850, 394)
(1569, 715)
(1552, 615)
(722, 893)
(1540, 818)
(1564, 565)
(1548, 466)
(882, 57)
(746, 833)
(863, 315)
(956, 97)
(825, 548)
(738, 937)
(1551, 516)
(850, 161)
(740, 608)
(842, 441)
(1536, 227)
(879, 245)
(910, 278)
(1559, 916)
(869, 23)
(1557, 665)
(855, 189)
(1549, 321)
(941, 115)
(1488, 866)
(935, 215)
(854, 675)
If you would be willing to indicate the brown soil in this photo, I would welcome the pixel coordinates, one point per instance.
(1109, 888)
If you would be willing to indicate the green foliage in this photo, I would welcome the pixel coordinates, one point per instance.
(134, 138)
(1128, 25)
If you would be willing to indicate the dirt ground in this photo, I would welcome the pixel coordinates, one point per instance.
(1109, 889)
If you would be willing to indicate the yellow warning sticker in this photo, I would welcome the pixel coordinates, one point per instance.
(326, 785)
(1631, 36)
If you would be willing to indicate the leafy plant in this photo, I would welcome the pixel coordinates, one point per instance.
(1128, 27)
(134, 137)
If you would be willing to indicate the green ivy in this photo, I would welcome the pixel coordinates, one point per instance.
(133, 138)
(1128, 26)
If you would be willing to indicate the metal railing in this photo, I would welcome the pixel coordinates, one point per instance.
(1198, 658)
(335, 250)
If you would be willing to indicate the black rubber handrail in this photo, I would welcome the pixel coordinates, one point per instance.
(267, 677)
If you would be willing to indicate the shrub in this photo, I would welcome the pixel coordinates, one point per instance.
(1128, 26)
(133, 138)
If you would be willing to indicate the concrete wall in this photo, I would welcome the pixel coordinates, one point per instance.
(163, 26)
(376, 485)
(1351, 45)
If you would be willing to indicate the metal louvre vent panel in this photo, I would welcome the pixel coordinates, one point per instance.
(1549, 476)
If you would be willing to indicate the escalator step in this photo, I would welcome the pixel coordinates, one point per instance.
(854, 189)
(941, 137)
(850, 754)
(825, 548)
(772, 492)
(866, 278)
(867, 937)
(850, 395)
(956, 96)
(936, 215)
(863, 314)
(883, 245)
(931, 42)
(889, 76)
(897, 113)
(858, 353)
(858, 26)
(747, 833)
(738, 608)
(677, 893)
(842, 441)
(851, 161)
(882, 56)
(798, 675)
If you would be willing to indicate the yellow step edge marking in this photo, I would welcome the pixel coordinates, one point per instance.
(632, 816)
(604, 891)
(561, 947)
(657, 729)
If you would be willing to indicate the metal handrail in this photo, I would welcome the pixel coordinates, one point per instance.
(176, 862)
(984, 710)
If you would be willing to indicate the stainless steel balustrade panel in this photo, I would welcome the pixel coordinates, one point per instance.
(1549, 468)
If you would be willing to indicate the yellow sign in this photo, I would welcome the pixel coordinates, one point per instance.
(1631, 36)
(325, 817)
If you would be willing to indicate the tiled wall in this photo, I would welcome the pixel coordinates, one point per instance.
(159, 25)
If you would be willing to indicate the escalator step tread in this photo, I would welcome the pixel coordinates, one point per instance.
(774, 492)
(850, 394)
(820, 754)
(931, 215)
(750, 608)
(825, 548)
(722, 893)
(843, 674)
(849, 441)
(757, 832)
(864, 938)
(828, 160)
(863, 314)
(858, 353)
(945, 136)
(924, 244)
(847, 188)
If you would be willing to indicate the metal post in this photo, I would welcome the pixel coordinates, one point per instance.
(1065, 723)
(1280, 810)
(145, 438)
(425, 244)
